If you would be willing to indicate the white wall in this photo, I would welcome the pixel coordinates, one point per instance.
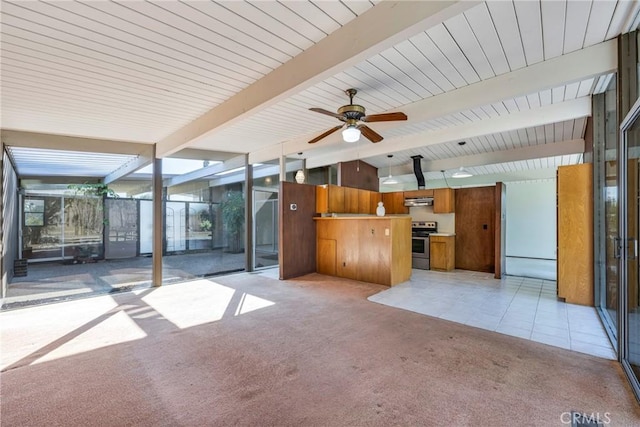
(531, 229)
(446, 222)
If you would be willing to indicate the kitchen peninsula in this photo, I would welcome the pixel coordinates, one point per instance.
(365, 247)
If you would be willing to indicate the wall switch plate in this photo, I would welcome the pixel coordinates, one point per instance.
(293, 206)
(386, 231)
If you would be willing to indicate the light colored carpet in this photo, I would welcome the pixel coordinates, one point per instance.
(247, 349)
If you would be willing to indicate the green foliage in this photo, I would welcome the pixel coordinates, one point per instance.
(86, 212)
(205, 225)
(233, 218)
(98, 190)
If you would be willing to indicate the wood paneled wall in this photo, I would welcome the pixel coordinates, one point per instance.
(297, 230)
(358, 174)
(475, 228)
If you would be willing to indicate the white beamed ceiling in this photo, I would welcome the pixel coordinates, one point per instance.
(142, 71)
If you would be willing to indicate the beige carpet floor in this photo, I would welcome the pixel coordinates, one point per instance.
(247, 349)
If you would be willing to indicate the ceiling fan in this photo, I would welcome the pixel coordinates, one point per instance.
(351, 114)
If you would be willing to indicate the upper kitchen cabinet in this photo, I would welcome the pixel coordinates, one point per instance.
(394, 203)
(414, 194)
(330, 198)
(351, 200)
(364, 201)
(444, 200)
(337, 199)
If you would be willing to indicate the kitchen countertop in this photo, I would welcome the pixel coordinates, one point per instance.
(318, 218)
(442, 234)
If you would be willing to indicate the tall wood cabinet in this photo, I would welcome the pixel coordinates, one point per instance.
(575, 233)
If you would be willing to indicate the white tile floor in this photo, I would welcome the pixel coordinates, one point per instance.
(517, 306)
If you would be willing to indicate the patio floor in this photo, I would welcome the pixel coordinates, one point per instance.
(57, 281)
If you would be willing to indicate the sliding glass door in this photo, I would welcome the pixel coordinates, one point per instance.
(629, 331)
(265, 222)
(606, 118)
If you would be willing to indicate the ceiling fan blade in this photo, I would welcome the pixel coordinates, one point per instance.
(327, 133)
(370, 134)
(384, 117)
(328, 113)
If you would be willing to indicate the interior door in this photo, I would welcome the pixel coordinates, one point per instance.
(475, 234)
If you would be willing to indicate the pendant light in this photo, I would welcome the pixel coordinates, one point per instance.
(462, 172)
(390, 180)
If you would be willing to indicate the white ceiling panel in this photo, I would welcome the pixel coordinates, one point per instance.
(142, 71)
(450, 48)
(623, 18)
(462, 35)
(553, 19)
(430, 50)
(576, 26)
(530, 23)
(506, 23)
(32, 162)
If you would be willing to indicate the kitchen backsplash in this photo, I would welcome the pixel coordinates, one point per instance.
(446, 222)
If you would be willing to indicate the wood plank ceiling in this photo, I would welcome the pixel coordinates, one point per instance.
(139, 71)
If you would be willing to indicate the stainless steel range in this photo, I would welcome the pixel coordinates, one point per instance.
(420, 231)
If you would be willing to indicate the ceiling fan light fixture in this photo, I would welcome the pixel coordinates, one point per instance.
(351, 134)
(462, 173)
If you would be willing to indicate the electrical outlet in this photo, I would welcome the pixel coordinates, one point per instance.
(386, 231)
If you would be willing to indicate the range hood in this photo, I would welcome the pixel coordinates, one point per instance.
(418, 201)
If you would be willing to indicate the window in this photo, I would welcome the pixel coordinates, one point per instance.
(34, 212)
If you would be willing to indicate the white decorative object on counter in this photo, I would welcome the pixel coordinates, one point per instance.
(300, 177)
(380, 209)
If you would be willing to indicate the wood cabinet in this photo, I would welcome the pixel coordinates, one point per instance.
(442, 252)
(351, 203)
(364, 201)
(418, 193)
(444, 200)
(374, 199)
(336, 199)
(370, 249)
(329, 198)
(394, 203)
(326, 264)
(575, 233)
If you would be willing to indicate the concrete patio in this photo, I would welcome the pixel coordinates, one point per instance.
(59, 280)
